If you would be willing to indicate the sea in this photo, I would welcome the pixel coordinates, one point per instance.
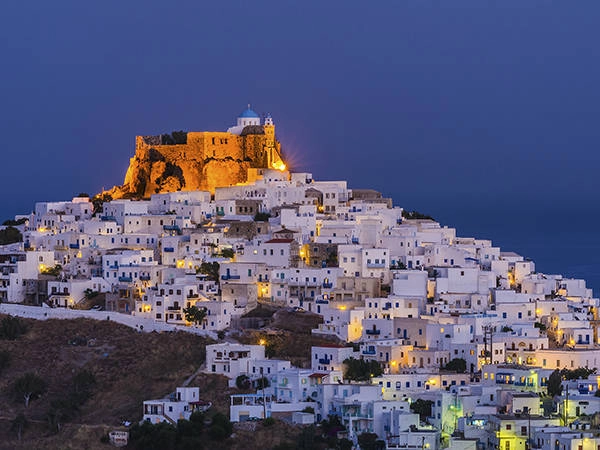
(559, 239)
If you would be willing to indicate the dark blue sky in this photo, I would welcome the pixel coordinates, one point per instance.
(457, 108)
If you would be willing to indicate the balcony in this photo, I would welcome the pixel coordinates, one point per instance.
(376, 265)
(328, 285)
(324, 361)
(169, 249)
(63, 293)
(369, 351)
(125, 279)
(322, 302)
(145, 277)
(230, 277)
(107, 218)
(174, 308)
(355, 240)
(74, 246)
(171, 228)
(374, 332)
(194, 295)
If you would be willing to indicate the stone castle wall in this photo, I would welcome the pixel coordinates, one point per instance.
(207, 160)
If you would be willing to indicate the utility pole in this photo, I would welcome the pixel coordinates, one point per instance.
(488, 331)
(262, 380)
(567, 404)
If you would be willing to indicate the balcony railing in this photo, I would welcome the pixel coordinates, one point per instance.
(169, 249)
(369, 352)
(327, 285)
(374, 332)
(145, 277)
(324, 361)
(74, 246)
(125, 279)
(376, 265)
(230, 277)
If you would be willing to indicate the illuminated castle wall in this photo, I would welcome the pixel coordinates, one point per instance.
(201, 160)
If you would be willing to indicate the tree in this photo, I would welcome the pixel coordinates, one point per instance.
(194, 314)
(210, 269)
(227, 253)
(221, 428)
(243, 382)
(458, 365)
(99, 200)
(306, 438)
(261, 217)
(369, 441)
(555, 383)
(82, 385)
(361, 370)
(331, 425)
(29, 387)
(19, 424)
(147, 436)
(10, 235)
(14, 223)
(53, 271)
(61, 410)
(575, 374)
(344, 444)
(262, 383)
(422, 408)
(4, 359)
(11, 327)
(416, 215)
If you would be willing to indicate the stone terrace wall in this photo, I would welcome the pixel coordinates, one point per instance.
(137, 323)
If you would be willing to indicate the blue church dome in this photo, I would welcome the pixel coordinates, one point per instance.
(249, 114)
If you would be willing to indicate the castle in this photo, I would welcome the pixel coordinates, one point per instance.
(189, 161)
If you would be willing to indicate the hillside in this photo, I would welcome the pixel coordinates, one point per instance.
(129, 367)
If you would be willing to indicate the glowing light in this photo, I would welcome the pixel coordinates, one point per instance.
(262, 342)
(279, 165)
(343, 307)
(180, 263)
(42, 267)
(394, 363)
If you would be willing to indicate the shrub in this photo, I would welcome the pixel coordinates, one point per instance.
(269, 421)
(10, 235)
(11, 328)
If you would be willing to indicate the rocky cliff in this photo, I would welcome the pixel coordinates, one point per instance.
(195, 161)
